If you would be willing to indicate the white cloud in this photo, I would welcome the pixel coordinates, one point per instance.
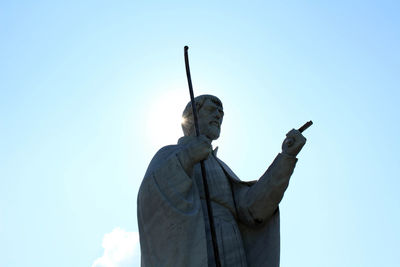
(121, 249)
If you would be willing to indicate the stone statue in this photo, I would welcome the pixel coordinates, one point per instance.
(172, 215)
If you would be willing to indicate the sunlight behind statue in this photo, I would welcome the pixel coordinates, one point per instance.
(172, 215)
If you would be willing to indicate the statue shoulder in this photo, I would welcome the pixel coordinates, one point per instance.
(233, 177)
(161, 157)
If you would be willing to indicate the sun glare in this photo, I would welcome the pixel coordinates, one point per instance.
(165, 118)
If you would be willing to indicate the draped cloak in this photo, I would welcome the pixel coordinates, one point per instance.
(171, 221)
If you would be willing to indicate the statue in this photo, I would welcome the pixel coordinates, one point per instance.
(172, 217)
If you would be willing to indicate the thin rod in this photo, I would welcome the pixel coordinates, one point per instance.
(203, 169)
(305, 126)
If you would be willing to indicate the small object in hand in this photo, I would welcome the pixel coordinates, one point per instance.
(305, 126)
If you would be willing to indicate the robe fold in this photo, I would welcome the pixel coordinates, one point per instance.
(172, 226)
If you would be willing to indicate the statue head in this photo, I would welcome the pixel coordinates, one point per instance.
(210, 114)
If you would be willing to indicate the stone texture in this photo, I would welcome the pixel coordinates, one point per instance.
(172, 216)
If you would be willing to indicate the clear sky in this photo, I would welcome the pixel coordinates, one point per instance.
(90, 90)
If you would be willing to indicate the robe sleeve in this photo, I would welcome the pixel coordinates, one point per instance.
(168, 208)
(173, 183)
(258, 202)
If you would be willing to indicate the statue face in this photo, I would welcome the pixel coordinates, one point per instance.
(210, 119)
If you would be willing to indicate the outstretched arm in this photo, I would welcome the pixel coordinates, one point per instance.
(258, 202)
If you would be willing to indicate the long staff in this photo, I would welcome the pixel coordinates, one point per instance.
(203, 169)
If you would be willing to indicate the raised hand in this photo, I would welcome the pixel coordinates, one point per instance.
(293, 143)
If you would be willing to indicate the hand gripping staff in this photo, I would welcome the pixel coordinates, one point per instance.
(203, 169)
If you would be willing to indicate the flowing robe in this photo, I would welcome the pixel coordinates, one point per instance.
(173, 226)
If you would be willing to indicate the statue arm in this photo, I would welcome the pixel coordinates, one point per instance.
(170, 180)
(258, 202)
(168, 208)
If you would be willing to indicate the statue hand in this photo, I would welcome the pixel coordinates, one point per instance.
(195, 150)
(293, 143)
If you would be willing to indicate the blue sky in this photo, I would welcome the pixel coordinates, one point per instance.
(89, 91)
